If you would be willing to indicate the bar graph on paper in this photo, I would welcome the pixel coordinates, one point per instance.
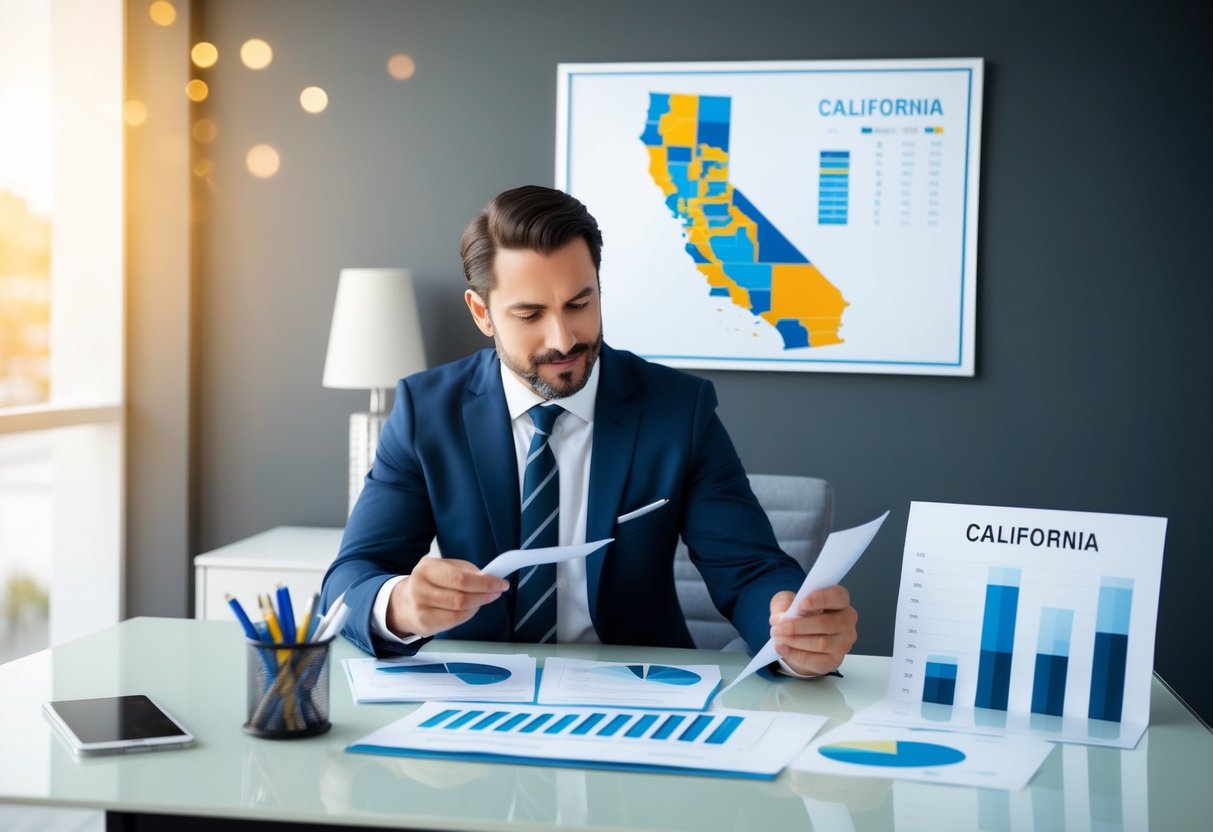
(1027, 620)
(737, 743)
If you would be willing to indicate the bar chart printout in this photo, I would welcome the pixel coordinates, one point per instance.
(733, 743)
(1025, 621)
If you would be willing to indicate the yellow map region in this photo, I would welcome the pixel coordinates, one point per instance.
(699, 192)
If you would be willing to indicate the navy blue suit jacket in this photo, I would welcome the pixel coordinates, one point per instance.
(446, 467)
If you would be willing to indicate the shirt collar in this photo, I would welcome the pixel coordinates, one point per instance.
(519, 398)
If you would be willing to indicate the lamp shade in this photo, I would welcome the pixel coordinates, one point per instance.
(376, 335)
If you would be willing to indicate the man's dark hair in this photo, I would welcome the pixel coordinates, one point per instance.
(530, 218)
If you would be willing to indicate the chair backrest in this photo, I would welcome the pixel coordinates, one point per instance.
(801, 511)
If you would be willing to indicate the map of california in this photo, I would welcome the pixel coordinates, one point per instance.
(742, 255)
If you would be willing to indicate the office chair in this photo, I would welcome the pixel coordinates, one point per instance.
(801, 510)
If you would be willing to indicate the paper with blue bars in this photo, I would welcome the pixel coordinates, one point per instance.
(756, 744)
(1026, 621)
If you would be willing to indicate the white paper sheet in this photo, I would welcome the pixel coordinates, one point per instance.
(515, 559)
(627, 684)
(448, 677)
(727, 742)
(929, 756)
(839, 553)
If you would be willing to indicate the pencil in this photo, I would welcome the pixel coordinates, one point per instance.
(305, 623)
(271, 620)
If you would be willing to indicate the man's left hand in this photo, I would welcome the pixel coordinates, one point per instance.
(816, 641)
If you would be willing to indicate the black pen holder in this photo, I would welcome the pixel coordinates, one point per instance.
(288, 689)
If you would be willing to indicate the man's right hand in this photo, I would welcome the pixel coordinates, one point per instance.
(438, 595)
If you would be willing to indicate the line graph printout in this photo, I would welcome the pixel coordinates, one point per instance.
(814, 215)
(1026, 621)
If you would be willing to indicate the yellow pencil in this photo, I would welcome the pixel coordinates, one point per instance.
(271, 619)
(306, 621)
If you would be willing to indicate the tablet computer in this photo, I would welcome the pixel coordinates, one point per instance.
(116, 725)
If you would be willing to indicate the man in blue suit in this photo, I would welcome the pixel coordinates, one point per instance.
(553, 437)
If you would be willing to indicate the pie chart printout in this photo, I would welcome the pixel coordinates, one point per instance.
(471, 673)
(892, 754)
(656, 673)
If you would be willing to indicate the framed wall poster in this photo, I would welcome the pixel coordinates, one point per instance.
(815, 215)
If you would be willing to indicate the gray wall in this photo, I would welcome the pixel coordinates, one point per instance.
(1093, 384)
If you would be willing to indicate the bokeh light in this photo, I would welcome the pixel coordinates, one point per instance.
(203, 167)
(205, 130)
(314, 99)
(262, 161)
(197, 90)
(162, 13)
(401, 67)
(204, 55)
(134, 112)
(256, 54)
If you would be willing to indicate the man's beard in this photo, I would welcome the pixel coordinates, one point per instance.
(566, 385)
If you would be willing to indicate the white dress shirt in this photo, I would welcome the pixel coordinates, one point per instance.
(572, 441)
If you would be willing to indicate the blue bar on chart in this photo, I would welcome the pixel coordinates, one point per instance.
(1111, 648)
(535, 723)
(939, 685)
(1052, 661)
(833, 187)
(511, 723)
(997, 638)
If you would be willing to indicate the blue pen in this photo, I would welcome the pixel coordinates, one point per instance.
(242, 617)
(286, 615)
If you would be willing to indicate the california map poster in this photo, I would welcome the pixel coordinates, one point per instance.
(817, 215)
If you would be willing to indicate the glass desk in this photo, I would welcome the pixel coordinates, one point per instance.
(196, 669)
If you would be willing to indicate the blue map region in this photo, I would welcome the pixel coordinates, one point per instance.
(735, 249)
(714, 116)
(750, 275)
(659, 105)
(693, 250)
(794, 334)
(760, 301)
(773, 247)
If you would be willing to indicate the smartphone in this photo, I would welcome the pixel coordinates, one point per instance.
(116, 725)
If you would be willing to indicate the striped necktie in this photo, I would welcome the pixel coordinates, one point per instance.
(535, 603)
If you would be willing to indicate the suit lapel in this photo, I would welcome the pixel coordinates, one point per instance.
(616, 423)
(487, 423)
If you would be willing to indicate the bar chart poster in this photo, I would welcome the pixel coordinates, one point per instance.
(1026, 620)
(801, 216)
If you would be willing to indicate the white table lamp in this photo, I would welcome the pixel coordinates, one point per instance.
(375, 341)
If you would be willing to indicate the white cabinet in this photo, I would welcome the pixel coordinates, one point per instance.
(294, 556)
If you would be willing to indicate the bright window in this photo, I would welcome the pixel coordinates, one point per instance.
(61, 302)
